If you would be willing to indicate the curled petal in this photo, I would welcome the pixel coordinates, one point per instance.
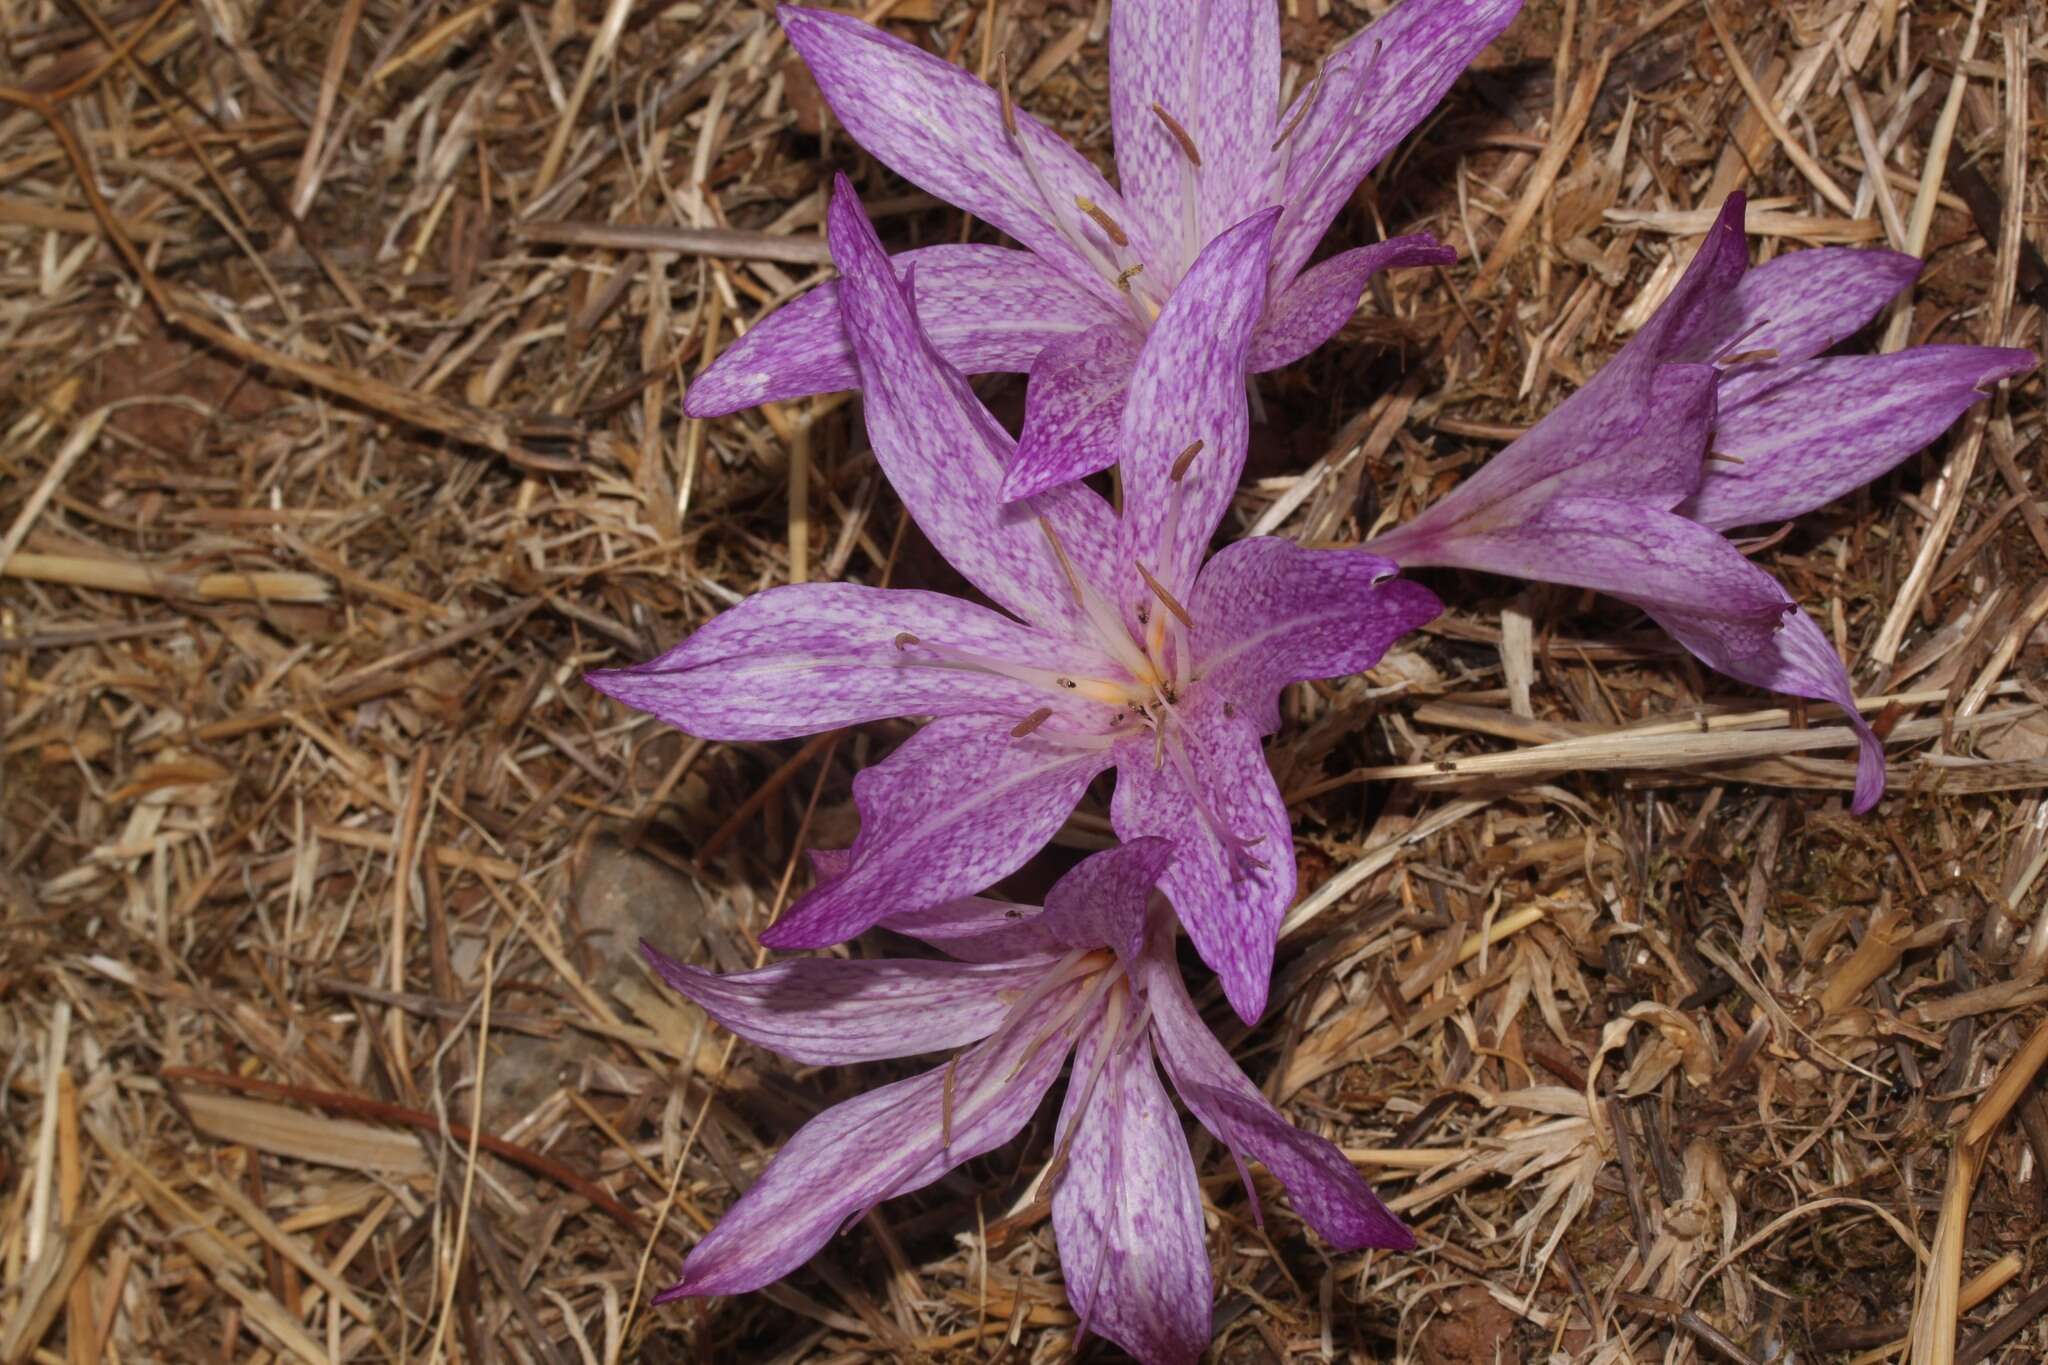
(854, 1155)
(808, 657)
(1073, 409)
(1794, 437)
(1101, 902)
(986, 308)
(1797, 659)
(1269, 613)
(945, 455)
(1325, 1190)
(940, 128)
(961, 805)
(1189, 386)
(1232, 876)
(1309, 310)
(1127, 1212)
(831, 1011)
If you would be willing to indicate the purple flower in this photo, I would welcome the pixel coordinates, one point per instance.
(1119, 648)
(1201, 145)
(1091, 975)
(1721, 412)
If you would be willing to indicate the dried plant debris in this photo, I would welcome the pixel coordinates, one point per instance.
(342, 346)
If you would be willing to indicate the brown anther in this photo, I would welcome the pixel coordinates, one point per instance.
(1716, 455)
(1123, 277)
(1003, 92)
(946, 1105)
(1031, 722)
(1309, 102)
(904, 639)
(1159, 591)
(1183, 460)
(1180, 135)
(1067, 683)
(1744, 357)
(1110, 227)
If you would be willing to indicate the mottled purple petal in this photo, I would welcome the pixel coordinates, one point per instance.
(940, 128)
(1801, 303)
(1798, 660)
(1326, 1191)
(1127, 1211)
(831, 1011)
(945, 455)
(1658, 560)
(1268, 613)
(1232, 876)
(986, 308)
(1309, 311)
(1101, 902)
(806, 657)
(961, 805)
(1073, 409)
(1190, 386)
(1645, 444)
(1807, 433)
(1375, 89)
(854, 1155)
(975, 928)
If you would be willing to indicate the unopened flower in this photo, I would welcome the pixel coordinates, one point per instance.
(1201, 143)
(1721, 412)
(1091, 976)
(1114, 646)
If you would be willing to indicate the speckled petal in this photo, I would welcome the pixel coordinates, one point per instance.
(1309, 310)
(1799, 304)
(1127, 1212)
(961, 805)
(829, 1011)
(1074, 409)
(1101, 901)
(985, 308)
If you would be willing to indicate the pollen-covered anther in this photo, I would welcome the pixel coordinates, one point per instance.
(904, 639)
(1180, 135)
(1031, 722)
(1126, 275)
(1166, 598)
(1183, 460)
(1110, 227)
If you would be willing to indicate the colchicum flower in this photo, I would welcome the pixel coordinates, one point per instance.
(1721, 412)
(1119, 648)
(1201, 144)
(1091, 975)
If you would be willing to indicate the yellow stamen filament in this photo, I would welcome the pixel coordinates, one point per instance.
(1180, 135)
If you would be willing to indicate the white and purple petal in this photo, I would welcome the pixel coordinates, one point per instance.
(945, 455)
(1101, 901)
(1794, 437)
(986, 308)
(961, 805)
(832, 1011)
(807, 657)
(1209, 790)
(1375, 89)
(1074, 408)
(941, 129)
(1189, 386)
(855, 1155)
(1268, 613)
(1127, 1210)
(1321, 1183)
(1799, 304)
(1310, 309)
